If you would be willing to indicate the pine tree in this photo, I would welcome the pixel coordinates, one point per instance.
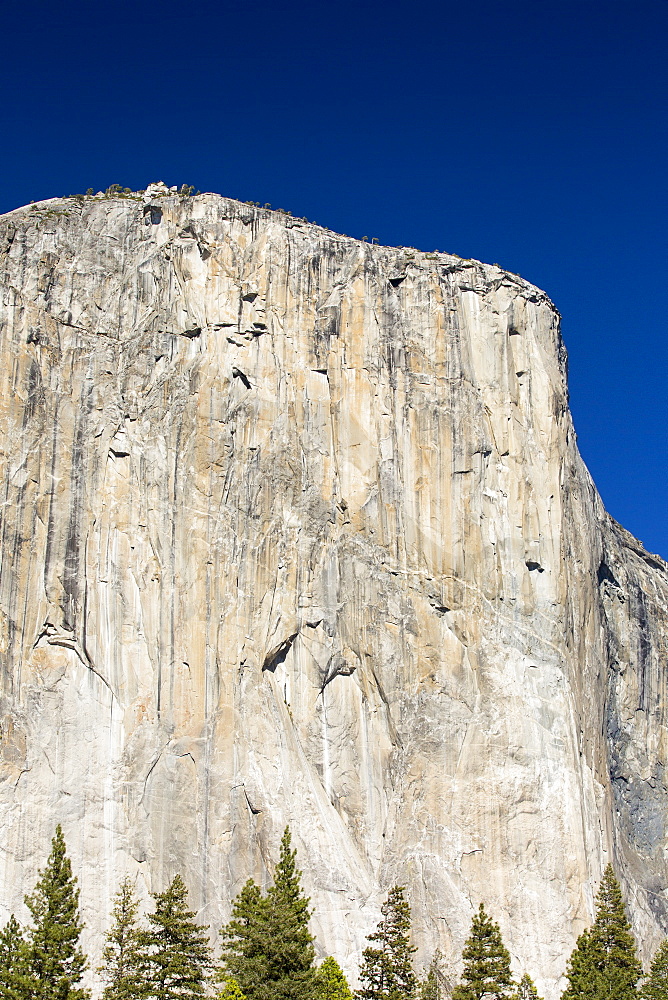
(435, 984)
(267, 946)
(174, 954)
(55, 962)
(526, 989)
(247, 942)
(14, 980)
(292, 960)
(655, 986)
(582, 972)
(331, 984)
(429, 987)
(604, 964)
(387, 970)
(231, 990)
(120, 968)
(486, 962)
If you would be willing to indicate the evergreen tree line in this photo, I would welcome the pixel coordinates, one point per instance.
(267, 950)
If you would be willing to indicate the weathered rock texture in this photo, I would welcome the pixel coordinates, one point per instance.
(295, 529)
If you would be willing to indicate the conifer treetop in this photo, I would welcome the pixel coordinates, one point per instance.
(526, 989)
(231, 990)
(287, 887)
(604, 964)
(120, 969)
(248, 941)
(11, 939)
(387, 970)
(430, 988)
(331, 982)
(56, 962)
(655, 986)
(267, 945)
(14, 978)
(175, 954)
(486, 962)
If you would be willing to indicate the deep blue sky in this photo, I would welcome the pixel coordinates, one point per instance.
(529, 134)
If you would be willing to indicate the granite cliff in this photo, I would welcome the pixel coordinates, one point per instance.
(295, 529)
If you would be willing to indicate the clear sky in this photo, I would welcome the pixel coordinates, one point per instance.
(527, 133)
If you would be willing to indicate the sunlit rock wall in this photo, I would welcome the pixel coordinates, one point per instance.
(295, 530)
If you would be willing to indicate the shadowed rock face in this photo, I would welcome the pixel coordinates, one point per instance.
(295, 530)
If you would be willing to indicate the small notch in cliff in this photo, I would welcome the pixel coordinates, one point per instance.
(253, 810)
(395, 282)
(440, 609)
(192, 334)
(279, 653)
(152, 215)
(531, 566)
(605, 575)
(237, 373)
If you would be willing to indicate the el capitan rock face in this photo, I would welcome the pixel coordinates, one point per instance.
(295, 529)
